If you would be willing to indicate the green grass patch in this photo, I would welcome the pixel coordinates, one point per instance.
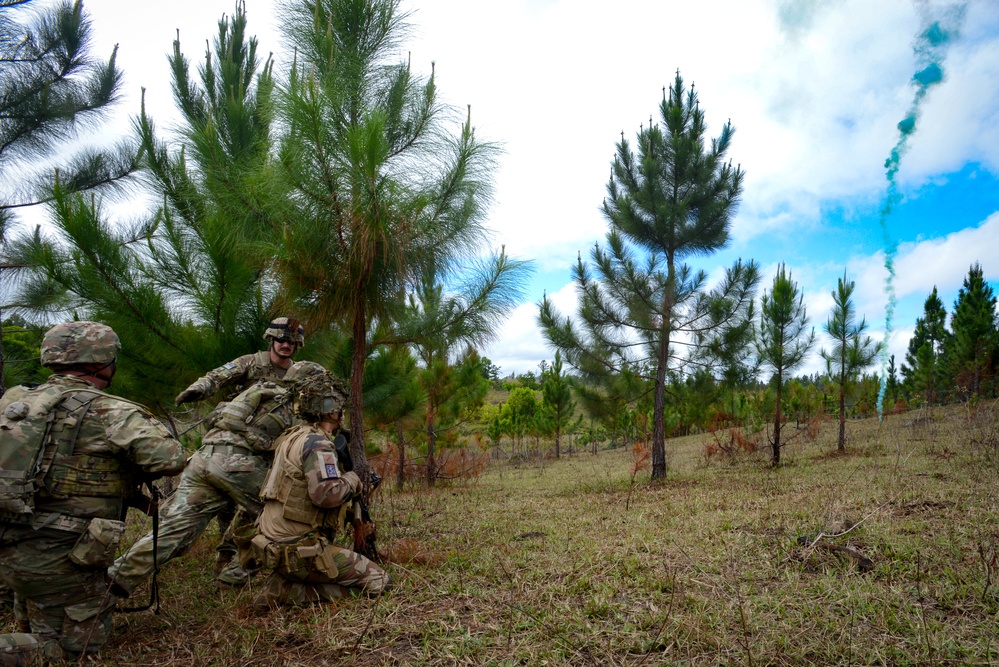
(727, 561)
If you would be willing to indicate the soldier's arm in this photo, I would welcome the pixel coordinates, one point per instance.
(144, 440)
(329, 485)
(231, 373)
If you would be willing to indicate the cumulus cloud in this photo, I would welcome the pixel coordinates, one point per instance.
(814, 89)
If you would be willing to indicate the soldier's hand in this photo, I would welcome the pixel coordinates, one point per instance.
(374, 479)
(354, 481)
(187, 395)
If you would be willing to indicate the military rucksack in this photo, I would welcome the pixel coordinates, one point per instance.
(254, 415)
(26, 419)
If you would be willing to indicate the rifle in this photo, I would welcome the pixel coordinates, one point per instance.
(364, 526)
(150, 506)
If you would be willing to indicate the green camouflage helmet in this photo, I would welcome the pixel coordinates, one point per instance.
(319, 395)
(286, 327)
(301, 370)
(72, 343)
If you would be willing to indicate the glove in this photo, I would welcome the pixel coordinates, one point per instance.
(374, 479)
(187, 396)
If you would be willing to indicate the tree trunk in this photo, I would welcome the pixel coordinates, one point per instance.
(842, 416)
(558, 435)
(780, 387)
(361, 465)
(658, 412)
(431, 443)
(401, 476)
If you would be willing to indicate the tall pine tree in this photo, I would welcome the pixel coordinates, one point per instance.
(782, 341)
(970, 351)
(383, 188)
(851, 351)
(671, 200)
(922, 370)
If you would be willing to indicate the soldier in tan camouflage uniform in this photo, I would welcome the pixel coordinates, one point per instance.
(306, 495)
(55, 550)
(285, 337)
(230, 466)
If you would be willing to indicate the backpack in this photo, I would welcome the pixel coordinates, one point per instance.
(27, 415)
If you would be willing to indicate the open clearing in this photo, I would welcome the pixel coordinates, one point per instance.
(566, 563)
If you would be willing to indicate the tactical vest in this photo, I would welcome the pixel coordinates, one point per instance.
(256, 417)
(38, 432)
(286, 480)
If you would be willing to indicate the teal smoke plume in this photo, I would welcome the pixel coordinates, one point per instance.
(930, 48)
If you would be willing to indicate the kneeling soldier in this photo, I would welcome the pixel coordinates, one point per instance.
(70, 456)
(227, 470)
(306, 497)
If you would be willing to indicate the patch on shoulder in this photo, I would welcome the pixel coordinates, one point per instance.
(229, 366)
(328, 468)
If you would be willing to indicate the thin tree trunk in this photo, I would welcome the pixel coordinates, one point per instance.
(401, 477)
(3, 383)
(780, 386)
(361, 465)
(558, 435)
(431, 442)
(842, 417)
(658, 412)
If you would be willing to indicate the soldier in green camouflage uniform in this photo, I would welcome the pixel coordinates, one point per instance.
(230, 466)
(285, 336)
(95, 450)
(305, 497)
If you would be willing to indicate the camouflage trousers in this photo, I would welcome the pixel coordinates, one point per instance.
(312, 570)
(68, 607)
(215, 478)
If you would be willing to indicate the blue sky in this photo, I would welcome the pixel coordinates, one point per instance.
(815, 89)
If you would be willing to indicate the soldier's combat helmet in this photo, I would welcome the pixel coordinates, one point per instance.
(286, 328)
(301, 370)
(72, 343)
(318, 395)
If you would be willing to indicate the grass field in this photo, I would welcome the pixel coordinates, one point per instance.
(726, 562)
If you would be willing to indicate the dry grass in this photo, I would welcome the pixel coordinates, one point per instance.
(723, 563)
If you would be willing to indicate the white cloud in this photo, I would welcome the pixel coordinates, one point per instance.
(814, 89)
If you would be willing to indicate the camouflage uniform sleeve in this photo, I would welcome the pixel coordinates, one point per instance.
(143, 439)
(329, 486)
(233, 372)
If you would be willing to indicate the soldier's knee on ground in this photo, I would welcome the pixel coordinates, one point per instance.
(87, 627)
(377, 582)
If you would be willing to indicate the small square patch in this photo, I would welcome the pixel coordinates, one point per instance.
(328, 467)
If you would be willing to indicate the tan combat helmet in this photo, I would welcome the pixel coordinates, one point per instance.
(286, 327)
(73, 343)
(319, 395)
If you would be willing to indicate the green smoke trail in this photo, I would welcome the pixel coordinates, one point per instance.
(930, 47)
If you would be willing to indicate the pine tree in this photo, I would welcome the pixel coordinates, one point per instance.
(922, 370)
(782, 341)
(557, 396)
(672, 200)
(442, 326)
(892, 383)
(51, 89)
(970, 351)
(382, 190)
(852, 351)
(184, 287)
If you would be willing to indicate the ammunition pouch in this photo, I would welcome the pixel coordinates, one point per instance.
(296, 561)
(98, 544)
(250, 550)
